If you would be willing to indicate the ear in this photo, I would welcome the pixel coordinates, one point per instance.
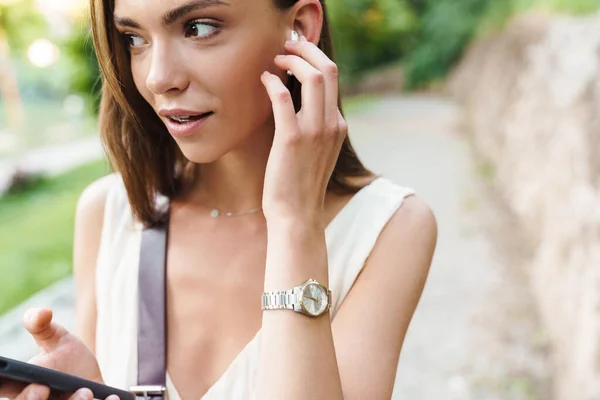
(307, 19)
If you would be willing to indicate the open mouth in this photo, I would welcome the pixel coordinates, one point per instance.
(186, 119)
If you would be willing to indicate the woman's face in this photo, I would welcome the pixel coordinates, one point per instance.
(190, 57)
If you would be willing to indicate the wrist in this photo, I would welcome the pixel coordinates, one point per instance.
(296, 223)
(296, 251)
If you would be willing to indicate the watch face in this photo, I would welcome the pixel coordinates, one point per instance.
(314, 299)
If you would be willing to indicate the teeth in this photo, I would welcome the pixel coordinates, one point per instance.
(182, 118)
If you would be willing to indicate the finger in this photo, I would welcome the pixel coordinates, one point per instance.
(47, 334)
(82, 394)
(34, 392)
(283, 106)
(113, 397)
(339, 141)
(313, 90)
(342, 125)
(10, 389)
(342, 131)
(315, 56)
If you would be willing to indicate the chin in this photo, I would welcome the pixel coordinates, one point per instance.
(200, 155)
(203, 153)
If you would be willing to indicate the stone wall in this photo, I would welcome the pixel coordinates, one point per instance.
(532, 102)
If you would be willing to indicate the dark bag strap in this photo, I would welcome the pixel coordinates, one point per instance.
(152, 335)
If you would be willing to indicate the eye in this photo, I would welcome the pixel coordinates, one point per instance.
(133, 41)
(201, 29)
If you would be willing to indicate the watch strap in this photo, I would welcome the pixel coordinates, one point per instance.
(281, 299)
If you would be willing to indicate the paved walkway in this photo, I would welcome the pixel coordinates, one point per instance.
(463, 342)
(453, 349)
(51, 160)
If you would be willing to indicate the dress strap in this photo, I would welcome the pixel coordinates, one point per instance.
(353, 234)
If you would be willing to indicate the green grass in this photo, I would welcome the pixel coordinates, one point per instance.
(36, 233)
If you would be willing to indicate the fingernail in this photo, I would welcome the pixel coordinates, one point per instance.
(290, 42)
(29, 314)
(84, 394)
(32, 313)
(279, 57)
(303, 38)
(32, 395)
(37, 392)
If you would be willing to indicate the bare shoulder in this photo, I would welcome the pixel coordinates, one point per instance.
(413, 224)
(369, 334)
(406, 245)
(89, 219)
(414, 221)
(405, 248)
(86, 244)
(93, 198)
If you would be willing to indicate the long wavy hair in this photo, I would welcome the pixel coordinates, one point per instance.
(137, 142)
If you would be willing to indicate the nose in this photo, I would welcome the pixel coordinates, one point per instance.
(166, 73)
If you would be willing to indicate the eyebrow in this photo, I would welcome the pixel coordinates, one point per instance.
(172, 16)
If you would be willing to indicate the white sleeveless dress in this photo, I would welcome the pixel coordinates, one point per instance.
(350, 238)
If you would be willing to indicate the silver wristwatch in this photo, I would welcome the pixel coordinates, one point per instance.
(311, 298)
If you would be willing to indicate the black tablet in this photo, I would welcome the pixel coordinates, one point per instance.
(58, 382)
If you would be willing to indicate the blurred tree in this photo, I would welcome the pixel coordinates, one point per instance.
(84, 65)
(19, 21)
(9, 90)
(22, 22)
(419, 6)
(370, 33)
(447, 27)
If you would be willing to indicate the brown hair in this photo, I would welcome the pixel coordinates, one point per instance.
(136, 140)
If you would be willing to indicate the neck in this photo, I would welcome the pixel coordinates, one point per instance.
(234, 183)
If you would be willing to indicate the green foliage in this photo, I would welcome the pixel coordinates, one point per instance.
(84, 69)
(76, 72)
(36, 233)
(369, 33)
(447, 27)
(22, 23)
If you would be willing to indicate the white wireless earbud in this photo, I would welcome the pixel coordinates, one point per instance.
(294, 38)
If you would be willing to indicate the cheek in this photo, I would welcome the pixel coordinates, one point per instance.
(245, 96)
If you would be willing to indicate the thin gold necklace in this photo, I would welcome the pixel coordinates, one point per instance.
(218, 213)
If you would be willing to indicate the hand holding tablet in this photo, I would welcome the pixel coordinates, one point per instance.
(64, 365)
(17, 375)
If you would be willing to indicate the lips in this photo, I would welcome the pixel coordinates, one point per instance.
(183, 119)
(186, 125)
(181, 122)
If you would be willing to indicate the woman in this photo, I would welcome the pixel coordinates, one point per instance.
(263, 192)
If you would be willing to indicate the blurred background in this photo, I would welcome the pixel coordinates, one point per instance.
(490, 109)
